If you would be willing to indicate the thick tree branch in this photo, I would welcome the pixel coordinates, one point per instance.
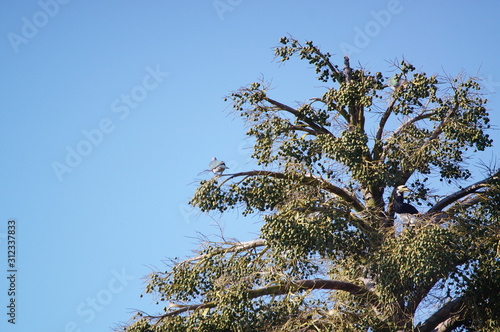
(436, 217)
(378, 147)
(331, 105)
(452, 308)
(318, 129)
(383, 120)
(310, 181)
(422, 116)
(305, 129)
(291, 287)
(439, 128)
(473, 188)
(335, 72)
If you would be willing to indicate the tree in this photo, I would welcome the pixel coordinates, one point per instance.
(331, 255)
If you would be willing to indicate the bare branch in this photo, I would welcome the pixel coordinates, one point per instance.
(473, 188)
(423, 115)
(384, 118)
(302, 128)
(235, 248)
(184, 308)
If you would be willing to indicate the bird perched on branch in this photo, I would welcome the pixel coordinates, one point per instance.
(404, 211)
(217, 166)
(394, 82)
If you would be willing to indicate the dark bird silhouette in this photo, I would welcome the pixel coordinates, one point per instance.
(404, 211)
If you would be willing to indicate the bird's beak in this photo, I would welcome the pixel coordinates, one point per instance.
(404, 189)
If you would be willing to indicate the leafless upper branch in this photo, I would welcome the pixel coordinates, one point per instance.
(234, 248)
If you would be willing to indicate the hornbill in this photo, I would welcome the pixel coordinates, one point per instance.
(404, 211)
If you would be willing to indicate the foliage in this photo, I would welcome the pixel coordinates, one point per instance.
(331, 254)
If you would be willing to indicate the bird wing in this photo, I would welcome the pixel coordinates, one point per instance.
(214, 164)
(407, 208)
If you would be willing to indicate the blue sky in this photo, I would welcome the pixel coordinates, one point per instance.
(109, 111)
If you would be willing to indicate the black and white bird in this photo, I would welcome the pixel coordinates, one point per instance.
(404, 211)
(217, 166)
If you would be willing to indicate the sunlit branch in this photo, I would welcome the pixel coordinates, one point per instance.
(309, 181)
(473, 188)
(291, 287)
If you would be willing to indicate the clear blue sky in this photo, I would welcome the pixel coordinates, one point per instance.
(110, 109)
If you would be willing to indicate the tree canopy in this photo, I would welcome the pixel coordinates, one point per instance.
(331, 254)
